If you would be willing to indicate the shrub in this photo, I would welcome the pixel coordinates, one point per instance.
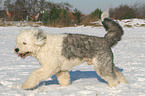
(45, 18)
(123, 12)
(96, 14)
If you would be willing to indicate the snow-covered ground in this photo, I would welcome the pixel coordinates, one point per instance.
(129, 57)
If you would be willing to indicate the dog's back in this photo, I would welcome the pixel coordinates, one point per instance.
(83, 46)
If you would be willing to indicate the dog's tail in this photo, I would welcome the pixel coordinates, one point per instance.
(114, 30)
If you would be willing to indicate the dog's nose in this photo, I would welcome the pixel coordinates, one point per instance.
(17, 50)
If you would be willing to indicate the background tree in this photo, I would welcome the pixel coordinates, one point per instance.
(93, 16)
(58, 14)
(123, 12)
(77, 14)
(140, 10)
(54, 14)
(17, 9)
(45, 18)
(64, 17)
(96, 14)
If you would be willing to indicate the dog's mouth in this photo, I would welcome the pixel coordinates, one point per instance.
(23, 55)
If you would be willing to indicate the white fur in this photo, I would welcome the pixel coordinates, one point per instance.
(48, 55)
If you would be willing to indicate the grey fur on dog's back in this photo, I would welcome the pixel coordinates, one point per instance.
(83, 46)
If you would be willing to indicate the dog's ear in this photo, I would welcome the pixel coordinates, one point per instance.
(39, 38)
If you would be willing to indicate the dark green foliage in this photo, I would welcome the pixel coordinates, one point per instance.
(97, 14)
(65, 18)
(45, 18)
(57, 16)
(77, 14)
(54, 14)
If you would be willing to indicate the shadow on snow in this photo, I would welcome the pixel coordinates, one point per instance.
(75, 75)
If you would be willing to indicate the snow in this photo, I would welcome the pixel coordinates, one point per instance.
(129, 57)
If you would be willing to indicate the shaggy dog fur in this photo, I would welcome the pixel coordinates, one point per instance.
(57, 54)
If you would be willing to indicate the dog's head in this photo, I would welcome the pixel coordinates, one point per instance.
(29, 41)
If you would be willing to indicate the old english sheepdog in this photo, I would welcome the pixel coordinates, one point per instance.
(57, 54)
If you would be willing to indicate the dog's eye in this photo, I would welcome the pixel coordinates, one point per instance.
(24, 43)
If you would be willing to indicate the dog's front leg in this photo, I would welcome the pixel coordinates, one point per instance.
(63, 78)
(35, 77)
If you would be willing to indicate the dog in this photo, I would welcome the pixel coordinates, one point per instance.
(57, 54)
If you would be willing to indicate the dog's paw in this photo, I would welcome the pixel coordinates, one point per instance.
(113, 84)
(28, 86)
(25, 86)
(123, 80)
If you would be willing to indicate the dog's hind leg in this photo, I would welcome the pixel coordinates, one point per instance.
(103, 65)
(63, 77)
